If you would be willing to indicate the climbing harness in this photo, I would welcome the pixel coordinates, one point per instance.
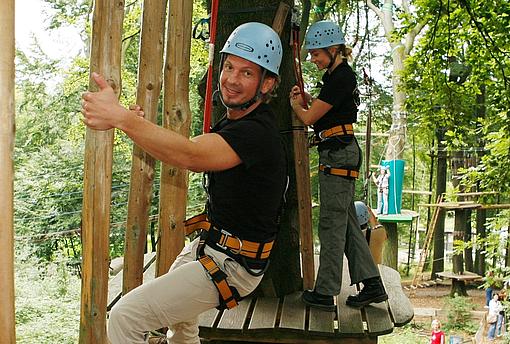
(227, 242)
(339, 130)
(253, 256)
(209, 86)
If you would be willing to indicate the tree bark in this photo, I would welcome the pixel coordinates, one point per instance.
(142, 167)
(7, 130)
(105, 59)
(400, 49)
(177, 117)
(390, 257)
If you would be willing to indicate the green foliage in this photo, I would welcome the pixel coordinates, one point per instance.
(47, 302)
(458, 79)
(458, 314)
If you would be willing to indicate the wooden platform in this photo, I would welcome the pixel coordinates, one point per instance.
(289, 320)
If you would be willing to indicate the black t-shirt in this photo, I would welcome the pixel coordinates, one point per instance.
(340, 91)
(245, 200)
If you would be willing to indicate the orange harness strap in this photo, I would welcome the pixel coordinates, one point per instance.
(342, 172)
(227, 241)
(229, 297)
(339, 130)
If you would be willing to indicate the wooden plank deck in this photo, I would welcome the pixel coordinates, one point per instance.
(289, 320)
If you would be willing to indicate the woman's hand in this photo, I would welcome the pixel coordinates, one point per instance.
(296, 99)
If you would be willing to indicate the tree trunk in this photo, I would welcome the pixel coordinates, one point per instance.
(284, 274)
(397, 139)
(105, 59)
(7, 129)
(458, 235)
(142, 167)
(481, 214)
(468, 251)
(390, 257)
(481, 218)
(439, 237)
(177, 117)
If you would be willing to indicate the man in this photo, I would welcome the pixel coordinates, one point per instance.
(245, 166)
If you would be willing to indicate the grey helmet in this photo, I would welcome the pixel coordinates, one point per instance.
(258, 43)
(323, 34)
(362, 213)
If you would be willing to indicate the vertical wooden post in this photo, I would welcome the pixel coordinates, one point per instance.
(458, 235)
(390, 256)
(142, 168)
(105, 59)
(7, 319)
(303, 186)
(177, 117)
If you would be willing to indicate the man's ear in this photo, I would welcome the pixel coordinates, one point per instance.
(268, 84)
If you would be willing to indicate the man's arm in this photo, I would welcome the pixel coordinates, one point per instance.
(208, 152)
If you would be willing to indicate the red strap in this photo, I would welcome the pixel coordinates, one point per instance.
(209, 85)
(298, 73)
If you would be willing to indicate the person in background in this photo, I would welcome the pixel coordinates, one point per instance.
(495, 307)
(500, 324)
(374, 232)
(489, 282)
(437, 336)
(382, 181)
(332, 115)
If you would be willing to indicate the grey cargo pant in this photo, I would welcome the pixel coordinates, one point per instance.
(339, 230)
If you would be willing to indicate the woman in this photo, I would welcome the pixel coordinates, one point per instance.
(332, 115)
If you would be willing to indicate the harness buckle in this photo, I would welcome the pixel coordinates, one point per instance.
(327, 169)
(223, 243)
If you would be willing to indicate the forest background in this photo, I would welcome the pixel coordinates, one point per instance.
(453, 93)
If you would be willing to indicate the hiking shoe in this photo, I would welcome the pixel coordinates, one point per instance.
(372, 292)
(314, 299)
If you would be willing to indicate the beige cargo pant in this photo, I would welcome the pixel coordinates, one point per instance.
(175, 300)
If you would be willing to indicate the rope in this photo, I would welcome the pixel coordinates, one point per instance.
(296, 56)
(367, 79)
(209, 86)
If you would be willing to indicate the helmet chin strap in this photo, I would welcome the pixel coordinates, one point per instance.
(332, 58)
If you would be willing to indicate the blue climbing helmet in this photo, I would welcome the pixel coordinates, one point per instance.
(323, 34)
(362, 213)
(258, 43)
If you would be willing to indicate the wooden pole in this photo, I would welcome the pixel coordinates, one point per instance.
(105, 59)
(142, 167)
(304, 199)
(7, 319)
(177, 117)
